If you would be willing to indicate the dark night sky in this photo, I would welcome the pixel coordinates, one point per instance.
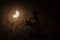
(47, 15)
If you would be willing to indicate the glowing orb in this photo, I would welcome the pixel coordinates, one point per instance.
(16, 18)
(16, 14)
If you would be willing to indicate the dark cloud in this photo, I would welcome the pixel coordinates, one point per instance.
(44, 25)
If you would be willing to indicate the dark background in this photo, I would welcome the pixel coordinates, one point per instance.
(45, 12)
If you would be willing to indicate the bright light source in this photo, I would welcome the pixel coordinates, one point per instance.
(16, 14)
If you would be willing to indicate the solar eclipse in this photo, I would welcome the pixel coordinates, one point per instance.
(16, 16)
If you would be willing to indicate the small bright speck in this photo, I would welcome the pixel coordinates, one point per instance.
(16, 14)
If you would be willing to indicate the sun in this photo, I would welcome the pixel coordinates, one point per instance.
(16, 18)
(17, 14)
